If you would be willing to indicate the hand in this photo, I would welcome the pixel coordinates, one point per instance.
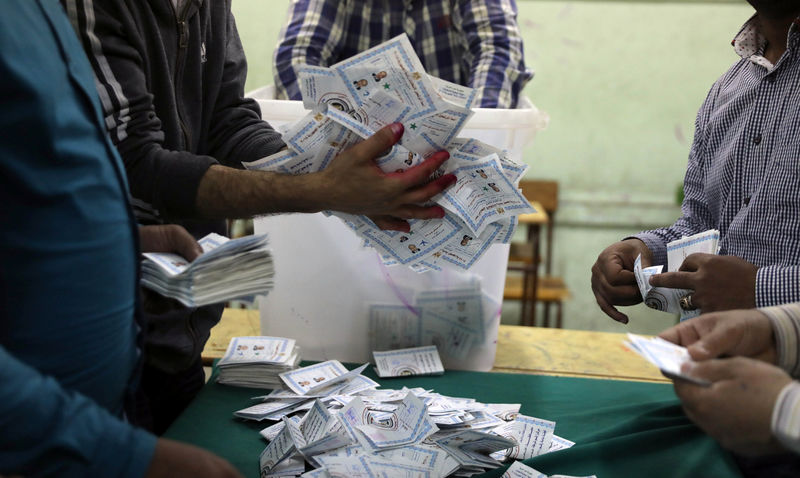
(718, 282)
(737, 332)
(355, 184)
(172, 458)
(613, 282)
(736, 409)
(169, 238)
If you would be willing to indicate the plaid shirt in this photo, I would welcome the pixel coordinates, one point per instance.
(470, 42)
(743, 176)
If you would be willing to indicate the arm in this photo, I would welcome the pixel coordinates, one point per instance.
(311, 36)
(162, 179)
(236, 132)
(695, 215)
(498, 71)
(58, 432)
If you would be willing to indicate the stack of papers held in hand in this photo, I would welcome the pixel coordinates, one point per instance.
(257, 361)
(663, 354)
(355, 98)
(227, 269)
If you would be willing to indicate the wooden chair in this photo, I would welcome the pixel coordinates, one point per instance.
(530, 287)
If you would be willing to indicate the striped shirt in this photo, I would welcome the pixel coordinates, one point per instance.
(475, 43)
(786, 412)
(743, 176)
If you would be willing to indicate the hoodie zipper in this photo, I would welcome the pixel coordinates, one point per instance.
(183, 44)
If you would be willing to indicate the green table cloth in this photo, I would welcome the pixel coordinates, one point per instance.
(621, 429)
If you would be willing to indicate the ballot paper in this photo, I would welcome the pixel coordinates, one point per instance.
(356, 97)
(384, 432)
(667, 299)
(452, 320)
(257, 361)
(665, 355)
(405, 362)
(227, 269)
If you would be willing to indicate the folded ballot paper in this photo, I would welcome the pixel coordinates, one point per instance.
(665, 355)
(257, 361)
(405, 362)
(338, 423)
(353, 99)
(666, 299)
(227, 269)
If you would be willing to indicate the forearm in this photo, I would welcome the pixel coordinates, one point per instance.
(311, 37)
(52, 431)
(226, 193)
(498, 72)
(785, 320)
(785, 424)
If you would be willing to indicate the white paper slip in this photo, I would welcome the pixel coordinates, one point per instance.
(483, 194)
(702, 242)
(405, 362)
(258, 349)
(531, 435)
(302, 380)
(393, 326)
(668, 357)
(560, 443)
(409, 424)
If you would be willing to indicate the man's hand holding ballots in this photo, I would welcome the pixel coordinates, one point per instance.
(387, 84)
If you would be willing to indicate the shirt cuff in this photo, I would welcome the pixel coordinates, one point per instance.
(785, 322)
(777, 285)
(656, 245)
(786, 417)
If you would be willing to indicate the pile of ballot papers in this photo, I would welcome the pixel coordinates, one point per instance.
(387, 84)
(257, 362)
(227, 269)
(339, 423)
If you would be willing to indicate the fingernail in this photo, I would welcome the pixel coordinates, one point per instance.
(439, 212)
(444, 154)
(397, 128)
(453, 180)
(687, 367)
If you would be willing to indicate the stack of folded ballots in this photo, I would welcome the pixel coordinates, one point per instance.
(227, 269)
(257, 361)
(387, 84)
(336, 422)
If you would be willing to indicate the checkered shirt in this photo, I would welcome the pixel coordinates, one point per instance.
(743, 176)
(470, 42)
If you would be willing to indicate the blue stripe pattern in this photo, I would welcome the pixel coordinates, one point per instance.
(743, 176)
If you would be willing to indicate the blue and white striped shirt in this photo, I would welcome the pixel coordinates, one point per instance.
(475, 43)
(743, 176)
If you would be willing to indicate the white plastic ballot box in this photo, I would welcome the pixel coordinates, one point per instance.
(325, 281)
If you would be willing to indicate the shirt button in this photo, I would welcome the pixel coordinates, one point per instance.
(746, 201)
(757, 139)
(770, 79)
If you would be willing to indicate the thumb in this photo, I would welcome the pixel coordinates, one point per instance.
(717, 343)
(711, 370)
(378, 143)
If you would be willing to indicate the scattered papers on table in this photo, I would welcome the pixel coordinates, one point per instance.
(666, 299)
(404, 362)
(351, 428)
(257, 361)
(227, 269)
(353, 99)
(665, 355)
